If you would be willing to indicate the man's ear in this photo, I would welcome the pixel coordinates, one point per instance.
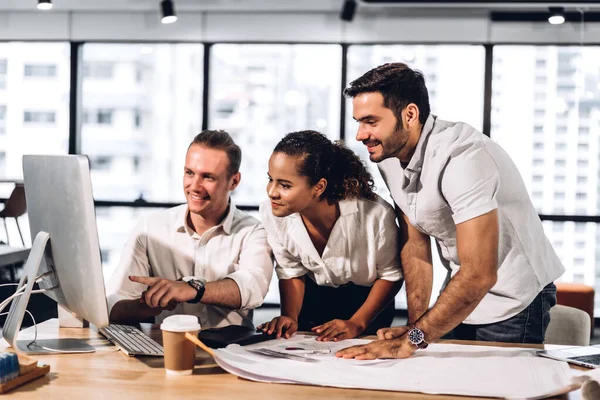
(319, 187)
(411, 115)
(235, 180)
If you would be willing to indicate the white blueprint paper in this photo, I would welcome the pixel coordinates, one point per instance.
(440, 369)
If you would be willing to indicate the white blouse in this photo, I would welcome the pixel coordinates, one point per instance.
(363, 245)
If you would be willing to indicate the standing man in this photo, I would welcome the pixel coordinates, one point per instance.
(204, 258)
(454, 184)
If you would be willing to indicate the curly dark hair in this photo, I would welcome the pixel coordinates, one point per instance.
(346, 175)
(398, 84)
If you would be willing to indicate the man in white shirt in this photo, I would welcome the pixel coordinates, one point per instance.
(454, 184)
(204, 258)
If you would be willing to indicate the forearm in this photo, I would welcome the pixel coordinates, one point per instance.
(382, 292)
(223, 293)
(418, 276)
(292, 296)
(455, 304)
(131, 312)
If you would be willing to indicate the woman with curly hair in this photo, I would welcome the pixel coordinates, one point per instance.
(335, 241)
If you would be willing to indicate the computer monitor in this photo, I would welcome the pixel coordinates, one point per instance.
(65, 252)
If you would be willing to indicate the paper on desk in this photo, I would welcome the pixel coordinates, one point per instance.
(440, 369)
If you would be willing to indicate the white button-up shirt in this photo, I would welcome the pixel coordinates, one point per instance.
(163, 245)
(362, 246)
(457, 174)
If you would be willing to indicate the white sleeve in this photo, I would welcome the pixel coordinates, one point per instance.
(287, 266)
(255, 269)
(134, 261)
(388, 249)
(470, 182)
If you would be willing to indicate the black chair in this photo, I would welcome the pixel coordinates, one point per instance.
(15, 206)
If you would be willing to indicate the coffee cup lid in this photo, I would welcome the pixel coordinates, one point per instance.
(180, 323)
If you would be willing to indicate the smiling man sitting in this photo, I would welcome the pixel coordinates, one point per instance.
(204, 258)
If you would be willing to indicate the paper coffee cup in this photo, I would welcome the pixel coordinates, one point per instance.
(180, 353)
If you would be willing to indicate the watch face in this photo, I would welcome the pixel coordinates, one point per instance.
(416, 336)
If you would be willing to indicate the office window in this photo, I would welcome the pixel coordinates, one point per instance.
(3, 70)
(468, 79)
(568, 115)
(2, 119)
(105, 117)
(538, 178)
(39, 117)
(559, 196)
(115, 225)
(40, 70)
(140, 158)
(34, 119)
(582, 179)
(538, 146)
(101, 163)
(2, 163)
(259, 93)
(98, 70)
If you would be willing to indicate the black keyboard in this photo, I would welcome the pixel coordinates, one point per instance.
(593, 359)
(132, 341)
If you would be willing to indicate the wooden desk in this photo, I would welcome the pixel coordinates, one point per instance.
(109, 374)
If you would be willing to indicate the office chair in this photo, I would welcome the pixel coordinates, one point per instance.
(15, 206)
(568, 326)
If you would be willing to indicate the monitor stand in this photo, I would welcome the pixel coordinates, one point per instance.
(41, 244)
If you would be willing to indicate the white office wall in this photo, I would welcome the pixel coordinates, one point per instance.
(284, 26)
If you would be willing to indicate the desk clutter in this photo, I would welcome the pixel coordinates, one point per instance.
(18, 369)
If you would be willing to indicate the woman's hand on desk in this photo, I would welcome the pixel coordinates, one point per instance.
(338, 329)
(164, 292)
(281, 326)
(394, 348)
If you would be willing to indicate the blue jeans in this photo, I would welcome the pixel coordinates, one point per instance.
(528, 326)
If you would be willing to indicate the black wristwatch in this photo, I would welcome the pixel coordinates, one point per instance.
(196, 284)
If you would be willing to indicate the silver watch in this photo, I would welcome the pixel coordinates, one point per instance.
(417, 337)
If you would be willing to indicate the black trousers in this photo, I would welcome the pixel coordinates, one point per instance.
(323, 303)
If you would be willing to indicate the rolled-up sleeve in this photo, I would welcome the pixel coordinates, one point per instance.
(388, 249)
(134, 261)
(470, 182)
(255, 269)
(287, 266)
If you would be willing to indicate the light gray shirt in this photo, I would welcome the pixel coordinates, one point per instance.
(457, 174)
(163, 245)
(362, 246)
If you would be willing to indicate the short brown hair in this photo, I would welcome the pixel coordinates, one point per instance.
(398, 84)
(221, 140)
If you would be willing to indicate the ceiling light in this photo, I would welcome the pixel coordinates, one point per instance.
(557, 15)
(44, 5)
(348, 10)
(168, 12)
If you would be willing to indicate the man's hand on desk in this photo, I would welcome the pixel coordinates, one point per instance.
(164, 293)
(392, 333)
(385, 347)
